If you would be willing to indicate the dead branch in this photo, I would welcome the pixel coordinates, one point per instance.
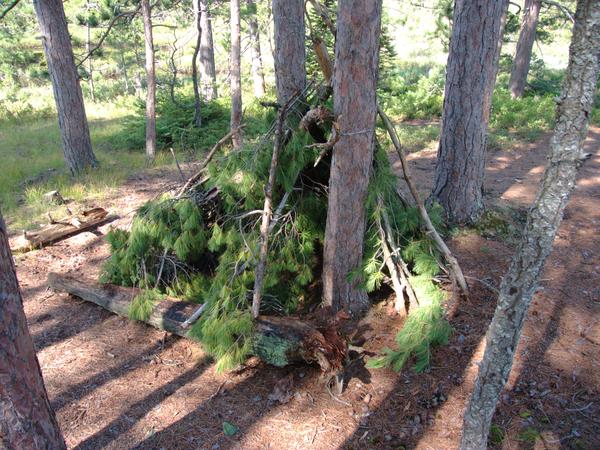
(177, 164)
(194, 178)
(259, 272)
(62, 229)
(441, 245)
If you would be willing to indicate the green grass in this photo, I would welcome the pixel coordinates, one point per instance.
(31, 147)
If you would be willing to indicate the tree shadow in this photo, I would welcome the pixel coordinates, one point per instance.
(139, 409)
(89, 385)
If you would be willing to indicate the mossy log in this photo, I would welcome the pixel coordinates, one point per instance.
(279, 341)
(62, 229)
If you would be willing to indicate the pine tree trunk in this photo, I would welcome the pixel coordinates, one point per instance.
(290, 53)
(520, 283)
(77, 145)
(208, 74)
(196, 82)
(520, 68)
(470, 78)
(235, 75)
(355, 108)
(258, 77)
(150, 82)
(26, 418)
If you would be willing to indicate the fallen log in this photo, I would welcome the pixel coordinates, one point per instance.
(168, 315)
(63, 229)
(279, 341)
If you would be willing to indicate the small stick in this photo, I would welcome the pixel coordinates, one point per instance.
(404, 273)
(194, 317)
(177, 164)
(454, 266)
(208, 158)
(387, 256)
(259, 273)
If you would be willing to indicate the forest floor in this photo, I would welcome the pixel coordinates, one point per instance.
(119, 384)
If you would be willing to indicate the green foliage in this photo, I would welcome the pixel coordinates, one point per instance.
(529, 435)
(413, 91)
(424, 328)
(496, 436)
(141, 306)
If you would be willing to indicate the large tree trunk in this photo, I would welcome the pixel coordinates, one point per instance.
(26, 418)
(196, 82)
(77, 145)
(355, 107)
(470, 76)
(150, 82)
(235, 75)
(258, 77)
(519, 284)
(290, 53)
(520, 68)
(208, 74)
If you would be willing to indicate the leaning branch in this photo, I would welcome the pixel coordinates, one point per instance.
(259, 273)
(10, 6)
(566, 11)
(194, 178)
(441, 245)
(106, 33)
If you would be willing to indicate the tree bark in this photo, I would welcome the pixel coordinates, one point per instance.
(520, 68)
(196, 82)
(72, 120)
(258, 77)
(26, 418)
(545, 215)
(150, 82)
(208, 74)
(355, 108)
(290, 53)
(470, 78)
(235, 75)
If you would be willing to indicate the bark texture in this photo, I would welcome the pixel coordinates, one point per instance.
(520, 68)
(150, 82)
(72, 120)
(235, 75)
(208, 74)
(470, 78)
(258, 77)
(355, 108)
(290, 53)
(545, 215)
(26, 418)
(195, 80)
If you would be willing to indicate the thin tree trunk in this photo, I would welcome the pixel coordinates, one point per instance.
(150, 82)
(26, 417)
(235, 75)
(88, 48)
(196, 82)
(208, 74)
(124, 70)
(258, 77)
(355, 108)
(520, 68)
(470, 78)
(545, 215)
(290, 53)
(77, 145)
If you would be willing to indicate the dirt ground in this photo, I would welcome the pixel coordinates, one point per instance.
(117, 384)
